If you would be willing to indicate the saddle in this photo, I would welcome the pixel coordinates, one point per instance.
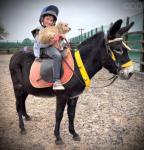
(41, 73)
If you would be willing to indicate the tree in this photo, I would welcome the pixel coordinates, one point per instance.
(3, 32)
(27, 42)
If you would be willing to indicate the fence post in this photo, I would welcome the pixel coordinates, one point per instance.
(91, 32)
(96, 30)
(127, 23)
(142, 54)
(17, 45)
(102, 28)
(8, 51)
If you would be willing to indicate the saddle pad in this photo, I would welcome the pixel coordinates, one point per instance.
(35, 78)
(46, 70)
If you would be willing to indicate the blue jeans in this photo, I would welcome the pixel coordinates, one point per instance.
(57, 61)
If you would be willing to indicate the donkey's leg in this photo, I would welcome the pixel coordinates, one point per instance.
(19, 107)
(24, 112)
(60, 105)
(71, 114)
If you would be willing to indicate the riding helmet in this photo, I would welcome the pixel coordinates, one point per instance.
(49, 10)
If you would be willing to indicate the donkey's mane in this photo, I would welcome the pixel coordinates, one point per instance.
(95, 37)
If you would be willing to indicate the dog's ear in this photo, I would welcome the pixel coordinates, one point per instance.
(35, 32)
(66, 24)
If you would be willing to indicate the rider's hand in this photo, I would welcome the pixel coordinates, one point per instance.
(55, 39)
(62, 36)
(58, 37)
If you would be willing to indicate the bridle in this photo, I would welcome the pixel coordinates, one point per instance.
(110, 54)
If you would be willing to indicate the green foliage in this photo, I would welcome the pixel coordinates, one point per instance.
(27, 42)
(3, 32)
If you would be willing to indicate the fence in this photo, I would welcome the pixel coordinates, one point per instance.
(134, 38)
(11, 47)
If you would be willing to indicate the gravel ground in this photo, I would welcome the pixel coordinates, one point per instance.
(110, 118)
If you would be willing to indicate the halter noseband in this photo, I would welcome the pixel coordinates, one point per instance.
(125, 65)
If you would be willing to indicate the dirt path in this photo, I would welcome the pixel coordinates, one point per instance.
(110, 118)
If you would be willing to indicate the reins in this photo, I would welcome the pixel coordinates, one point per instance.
(77, 76)
(82, 82)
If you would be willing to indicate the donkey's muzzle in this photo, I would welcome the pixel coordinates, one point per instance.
(126, 73)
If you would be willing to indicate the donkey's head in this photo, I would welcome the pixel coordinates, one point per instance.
(118, 51)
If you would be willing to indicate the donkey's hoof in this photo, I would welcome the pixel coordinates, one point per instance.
(76, 137)
(28, 118)
(59, 142)
(23, 132)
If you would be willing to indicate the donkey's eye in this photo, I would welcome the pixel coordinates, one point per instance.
(118, 51)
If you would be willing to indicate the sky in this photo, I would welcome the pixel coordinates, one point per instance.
(19, 17)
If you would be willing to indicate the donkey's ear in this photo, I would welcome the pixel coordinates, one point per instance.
(115, 28)
(125, 29)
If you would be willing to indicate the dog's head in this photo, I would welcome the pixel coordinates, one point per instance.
(63, 27)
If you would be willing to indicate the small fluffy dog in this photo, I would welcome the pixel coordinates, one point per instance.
(47, 34)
